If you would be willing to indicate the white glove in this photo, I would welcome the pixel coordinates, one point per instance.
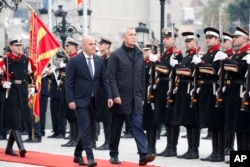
(153, 58)
(154, 86)
(31, 91)
(198, 90)
(248, 59)
(173, 62)
(196, 60)
(175, 90)
(220, 56)
(224, 88)
(62, 64)
(7, 84)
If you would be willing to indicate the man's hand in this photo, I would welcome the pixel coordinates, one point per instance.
(110, 103)
(72, 105)
(153, 58)
(117, 100)
(6, 84)
(196, 60)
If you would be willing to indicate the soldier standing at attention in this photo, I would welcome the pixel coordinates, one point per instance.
(210, 116)
(164, 69)
(183, 115)
(103, 113)
(71, 49)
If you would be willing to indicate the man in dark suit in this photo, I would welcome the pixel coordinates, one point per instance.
(126, 72)
(85, 74)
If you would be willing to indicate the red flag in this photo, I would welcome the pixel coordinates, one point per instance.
(43, 46)
(78, 2)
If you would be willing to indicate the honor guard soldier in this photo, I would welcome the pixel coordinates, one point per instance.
(15, 68)
(227, 45)
(150, 49)
(236, 119)
(71, 49)
(183, 115)
(103, 113)
(164, 69)
(210, 116)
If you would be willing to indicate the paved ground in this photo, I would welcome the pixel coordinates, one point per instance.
(127, 152)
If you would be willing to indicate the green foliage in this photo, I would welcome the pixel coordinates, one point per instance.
(239, 13)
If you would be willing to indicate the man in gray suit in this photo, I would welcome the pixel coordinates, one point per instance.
(126, 74)
(85, 74)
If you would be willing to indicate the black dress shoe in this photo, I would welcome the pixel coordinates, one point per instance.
(183, 155)
(114, 160)
(192, 155)
(80, 161)
(105, 146)
(60, 136)
(27, 140)
(22, 153)
(170, 153)
(10, 152)
(207, 158)
(53, 135)
(144, 159)
(127, 136)
(218, 157)
(163, 152)
(92, 163)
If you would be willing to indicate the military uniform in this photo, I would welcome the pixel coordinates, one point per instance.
(236, 67)
(183, 114)
(66, 112)
(163, 115)
(209, 115)
(16, 68)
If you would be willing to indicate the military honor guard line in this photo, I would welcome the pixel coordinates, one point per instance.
(148, 90)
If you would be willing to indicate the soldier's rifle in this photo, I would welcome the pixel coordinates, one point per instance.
(194, 95)
(172, 76)
(246, 99)
(219, 92)
(6, 64)
(151, 91)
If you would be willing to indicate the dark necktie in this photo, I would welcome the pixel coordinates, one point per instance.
(90, 67)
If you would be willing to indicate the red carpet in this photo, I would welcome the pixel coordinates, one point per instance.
(53, 160)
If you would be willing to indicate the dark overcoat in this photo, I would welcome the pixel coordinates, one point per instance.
(126, 72)
(15, 107)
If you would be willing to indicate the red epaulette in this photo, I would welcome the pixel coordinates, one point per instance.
(243, 49)
(214, 48)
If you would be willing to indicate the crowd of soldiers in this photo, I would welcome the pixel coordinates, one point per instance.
(198, 89)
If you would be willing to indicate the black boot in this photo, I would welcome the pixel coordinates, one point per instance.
(239, 141)
(19, 142)
(174, 141)
(71, 135)
(194, 153)
(151, 138)
(219, 156)
(168, 146)
(9, 149)
(229, 142)
(105, 145)
(214, 146)
(190, 143)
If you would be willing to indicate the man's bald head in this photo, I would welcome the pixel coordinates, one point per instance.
(89, 45)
